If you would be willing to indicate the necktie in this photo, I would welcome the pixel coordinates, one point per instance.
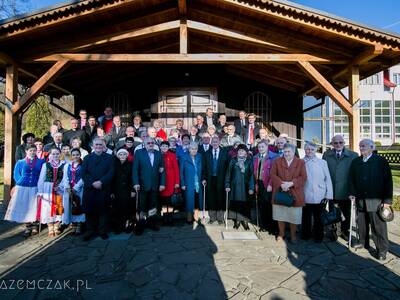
(215, 163)
(251, 138)
(260, 167)
(338, 155)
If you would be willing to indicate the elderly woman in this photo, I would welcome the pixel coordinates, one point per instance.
(318, 187)
(192, 177)
(288, 174)
(161, 134)
(239, 181)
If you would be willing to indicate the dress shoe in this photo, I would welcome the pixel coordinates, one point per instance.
(245, 225)
(236, 225)
(210, 222)
(138, 230)
(344, 236)
(381, 256)
(104, 236)
(221, 222)
(152, 226)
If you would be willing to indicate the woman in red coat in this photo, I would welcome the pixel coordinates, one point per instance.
(161, 134)
(171, 181)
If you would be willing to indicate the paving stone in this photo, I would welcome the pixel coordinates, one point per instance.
(141, 260)
(302, 280)
(377, 280)
(348, 275)
(140, 277)
(340, 289)
(169, 276)
(282, 293)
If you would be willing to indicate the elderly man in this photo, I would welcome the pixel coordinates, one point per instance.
(210, 118)
(251, 132)
(339, 161)
(91, 128)
(148, 180)
(221, 123)
(194, 137)
(241, 124)
(83, 118)
(74, 132)
(216, 162)
(205, 143)
(371, 186)
(117, 131)
(200, 125)
(57, 142)
(137, 124)
(97, 173)
(231, 138)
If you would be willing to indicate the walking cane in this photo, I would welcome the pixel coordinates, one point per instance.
(38, 212)
(258, 226)
(137, 205)
(226, 209)
(351, 221)
(204, 203)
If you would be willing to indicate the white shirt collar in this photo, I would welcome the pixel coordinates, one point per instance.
(365, 159)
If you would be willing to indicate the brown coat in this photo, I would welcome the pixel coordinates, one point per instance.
(296, 173)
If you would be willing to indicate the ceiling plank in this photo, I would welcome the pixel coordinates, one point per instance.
(183, 37)
(182, 8)
(245, 58)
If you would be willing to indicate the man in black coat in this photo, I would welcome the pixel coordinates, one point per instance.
(210, 118)
(117, 131)
(371, 186)
(91, 128)
(97, 174)
(148, 180)
(57, 142)
(241, 124)
(27, 140)
(75, 132)
(216, 162)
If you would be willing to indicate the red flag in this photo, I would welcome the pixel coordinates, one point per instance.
(386, 80)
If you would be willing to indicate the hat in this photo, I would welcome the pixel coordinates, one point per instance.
(122, 150)
(386, 213)
(242, 147)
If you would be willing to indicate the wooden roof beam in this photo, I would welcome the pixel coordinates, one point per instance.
(39, 86)
(233, 35)
(7, 60)
(326, 86)
(146, 31)
(183, 37)
(363, 58)
(245, 58)
(182, 8)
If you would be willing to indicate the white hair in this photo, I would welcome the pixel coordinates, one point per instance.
(369, 142)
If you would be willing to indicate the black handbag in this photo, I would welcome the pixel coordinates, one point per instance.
(177, 199)
(76, 208)
(331, 216)
(284, 198)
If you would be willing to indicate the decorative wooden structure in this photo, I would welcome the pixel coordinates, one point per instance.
(89, 47)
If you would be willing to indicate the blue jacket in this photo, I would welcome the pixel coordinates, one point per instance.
(24, 176)
(187, 172)
(148, 177)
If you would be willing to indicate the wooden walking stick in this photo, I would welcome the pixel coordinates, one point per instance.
(351, 221)
(258, 225)
(226, 209)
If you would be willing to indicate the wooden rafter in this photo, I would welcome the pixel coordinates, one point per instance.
(236, 36)
(362, 58)
(288, 18)
(147, 31)
(246, 58)
(182, 7)
(7, 60)
(39, 85)
(326, 86)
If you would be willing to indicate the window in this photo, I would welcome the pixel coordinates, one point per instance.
(365, 112)
(397, 111)
(341, 122)
(382, 119)
(396, 78)
(372, 80)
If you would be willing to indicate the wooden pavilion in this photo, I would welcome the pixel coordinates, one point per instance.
(179, 56)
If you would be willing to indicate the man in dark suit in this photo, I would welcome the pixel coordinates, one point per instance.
(194, 137)
(91, 128)
(148, 181)
(57, 142)
(97, 173)
(117, 131)
(210, 118)
(371, 186)
(83, 120)
(216, 162)
(252, 131)
(200, 125)
(75, 132)
(205, 143)
(241, 124)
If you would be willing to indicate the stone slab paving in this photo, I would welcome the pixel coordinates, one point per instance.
(184, 263)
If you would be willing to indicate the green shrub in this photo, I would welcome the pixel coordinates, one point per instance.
(378, 143)
(396, 202)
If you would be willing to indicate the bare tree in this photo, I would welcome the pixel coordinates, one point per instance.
(10, 8)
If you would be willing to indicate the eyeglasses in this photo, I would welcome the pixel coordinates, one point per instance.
(338, 143)
(150, 143)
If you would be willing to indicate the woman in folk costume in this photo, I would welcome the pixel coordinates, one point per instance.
(40, 153)
(239, 181)
(72, 184)
(23, 204)
(50, 206)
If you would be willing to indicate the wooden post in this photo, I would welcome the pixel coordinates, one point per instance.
(354, 119)
(183, 37)
(10, 132)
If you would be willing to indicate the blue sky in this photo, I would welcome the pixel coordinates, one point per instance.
(381, 13)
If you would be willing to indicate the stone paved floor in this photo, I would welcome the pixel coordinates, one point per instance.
(185, 263)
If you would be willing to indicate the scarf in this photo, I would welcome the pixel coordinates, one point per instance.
(240, 163)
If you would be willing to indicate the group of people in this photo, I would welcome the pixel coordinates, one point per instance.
(106, 175)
